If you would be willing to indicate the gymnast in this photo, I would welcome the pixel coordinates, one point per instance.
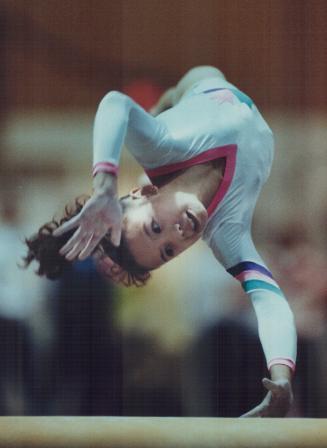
(207, 152)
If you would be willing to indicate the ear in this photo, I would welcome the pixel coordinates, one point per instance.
(147, 191)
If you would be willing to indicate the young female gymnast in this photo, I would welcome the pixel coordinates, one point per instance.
(207, 151)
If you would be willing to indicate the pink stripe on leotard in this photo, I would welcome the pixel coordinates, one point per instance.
(284, 361)
(254, 275)
(105, 167)
(228, 151)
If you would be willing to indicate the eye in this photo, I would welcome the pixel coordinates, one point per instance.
(169, 251)
(155, 227)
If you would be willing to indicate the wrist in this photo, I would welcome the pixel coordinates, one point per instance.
(105, 167)
(105, 183)
(281, 372)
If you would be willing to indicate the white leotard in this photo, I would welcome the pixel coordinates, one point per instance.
(214, 119)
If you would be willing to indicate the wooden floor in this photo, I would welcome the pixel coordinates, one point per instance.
(155, 432)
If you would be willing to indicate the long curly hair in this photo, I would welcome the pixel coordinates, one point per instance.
(43, 248)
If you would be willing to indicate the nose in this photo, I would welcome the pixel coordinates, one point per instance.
(183, 232)
(179, 230)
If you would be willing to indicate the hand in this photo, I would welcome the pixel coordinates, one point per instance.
(101, 214)
(277, 402)
(103, 262)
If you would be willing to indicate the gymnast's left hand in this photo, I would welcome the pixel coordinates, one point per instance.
(277, 402)
(101, 214)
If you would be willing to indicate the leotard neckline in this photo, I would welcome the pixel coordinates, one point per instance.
(227, 151)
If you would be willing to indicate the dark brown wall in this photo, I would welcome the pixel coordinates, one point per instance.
(70, 52)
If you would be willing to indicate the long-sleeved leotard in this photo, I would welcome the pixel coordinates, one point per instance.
(213, 120)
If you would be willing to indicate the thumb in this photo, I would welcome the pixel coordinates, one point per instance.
(68, 225)
(269, 385)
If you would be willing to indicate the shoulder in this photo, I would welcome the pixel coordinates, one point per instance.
(195, 75)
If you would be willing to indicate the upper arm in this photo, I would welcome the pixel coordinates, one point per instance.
(143, 129)
(121, 120)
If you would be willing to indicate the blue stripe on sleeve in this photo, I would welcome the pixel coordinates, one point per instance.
(248, 266)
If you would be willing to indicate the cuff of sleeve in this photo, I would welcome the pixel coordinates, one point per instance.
(285, 361)
(105, 167)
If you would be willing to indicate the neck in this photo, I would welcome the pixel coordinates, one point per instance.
(201, 180)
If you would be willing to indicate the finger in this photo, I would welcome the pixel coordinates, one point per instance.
(89, 248)
(77, 249)
(71, 224)
(116, 236)
(97, 255)
(270, 385)
(75, 239)
(256, 412)
(92, 244)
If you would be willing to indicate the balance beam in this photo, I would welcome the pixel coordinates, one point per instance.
(157, 432)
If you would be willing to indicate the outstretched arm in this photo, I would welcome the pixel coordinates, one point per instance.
(118, 120)
(277, 335)
(276, 326)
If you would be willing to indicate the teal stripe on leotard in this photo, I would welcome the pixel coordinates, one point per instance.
(242, 97)
(252, 285)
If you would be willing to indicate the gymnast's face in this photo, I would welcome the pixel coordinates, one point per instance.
(160, 226)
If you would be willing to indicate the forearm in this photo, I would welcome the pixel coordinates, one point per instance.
(275, 319)
(110, 127)
(276, 329)
(278, 339)
(166, 101)
(121, 121)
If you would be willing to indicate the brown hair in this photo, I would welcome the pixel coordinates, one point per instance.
(44, 248)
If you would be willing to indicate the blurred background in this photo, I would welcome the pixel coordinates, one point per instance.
(187, 343)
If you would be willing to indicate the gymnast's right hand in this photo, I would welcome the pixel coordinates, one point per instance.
(101, 214)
